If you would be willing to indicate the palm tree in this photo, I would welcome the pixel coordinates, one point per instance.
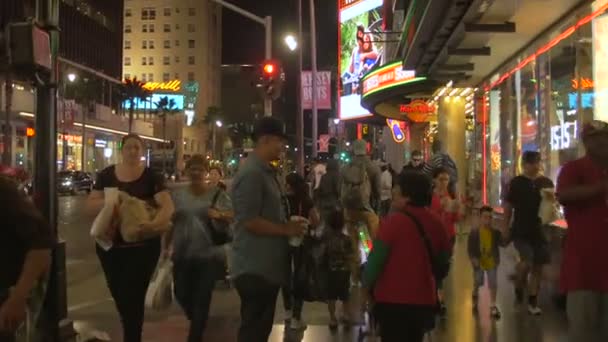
(165, 107)
(134, 91)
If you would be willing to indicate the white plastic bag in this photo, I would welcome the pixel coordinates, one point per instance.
(102, 222)
(549, 207)
(160, 292)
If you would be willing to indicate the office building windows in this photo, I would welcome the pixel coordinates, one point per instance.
(167, 11)
(191, 28)
(176, 59)
(176, 76)
(191, 43)
(176, 43)
(127, 28)
(127, 76)
(148, 13)
(143, 77)
(167, 44)
(150, 44)
(144, 28)
(127, 62)
(167, 28)
(191, 12)
(128, 12)
(166, 77)
(144, 61)
(166, 60)
(144, 44)
(127, 44)
(190, 60)
(150, 60)
(190, 76)
(151, 28)
(177, 27)
(150, 77)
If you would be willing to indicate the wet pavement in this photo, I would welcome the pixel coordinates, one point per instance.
(90, 304)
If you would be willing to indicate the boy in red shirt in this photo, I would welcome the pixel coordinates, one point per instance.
(399, 267)
(582, 188)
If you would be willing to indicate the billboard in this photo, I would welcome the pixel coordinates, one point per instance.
(323, 90)
(359, 52)
(150, 104)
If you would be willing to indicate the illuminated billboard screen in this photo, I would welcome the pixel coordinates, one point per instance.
(359, 52)
(150, 104)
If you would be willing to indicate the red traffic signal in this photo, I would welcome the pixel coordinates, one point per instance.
(269, 68)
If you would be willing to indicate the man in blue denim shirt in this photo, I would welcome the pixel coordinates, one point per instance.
(260, 260)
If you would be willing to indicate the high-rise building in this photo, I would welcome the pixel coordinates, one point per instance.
(166, 40)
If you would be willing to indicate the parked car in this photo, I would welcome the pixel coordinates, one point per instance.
(74, 181)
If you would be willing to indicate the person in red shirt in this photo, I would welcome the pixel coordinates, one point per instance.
(447, 208)
(582, 188)
(399, 266)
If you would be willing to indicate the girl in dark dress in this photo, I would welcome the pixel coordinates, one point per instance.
(128, 267)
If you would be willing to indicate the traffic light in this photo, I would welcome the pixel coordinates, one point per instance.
(272, 79)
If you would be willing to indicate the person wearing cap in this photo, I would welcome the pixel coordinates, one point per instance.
(522, 204)
(260, 247)
(363, 210)
(582, 188)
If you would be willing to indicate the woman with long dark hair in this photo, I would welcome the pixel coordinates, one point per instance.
(300, 204)
(129, 266)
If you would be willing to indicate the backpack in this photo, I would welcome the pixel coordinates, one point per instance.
(356, 187)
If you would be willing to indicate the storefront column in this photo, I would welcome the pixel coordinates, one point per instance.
(451, 132)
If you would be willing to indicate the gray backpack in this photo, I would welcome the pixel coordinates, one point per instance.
(356, 187)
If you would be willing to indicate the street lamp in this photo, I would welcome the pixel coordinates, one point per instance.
(291, 42)
(218, 123)
(336, 121)
(72, 77)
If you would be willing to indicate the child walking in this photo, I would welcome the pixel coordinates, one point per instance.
(340, 255)
(483, 249)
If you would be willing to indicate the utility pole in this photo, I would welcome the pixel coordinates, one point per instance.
(267, 23)
(47, 15)
(300, 122)
(313, 64)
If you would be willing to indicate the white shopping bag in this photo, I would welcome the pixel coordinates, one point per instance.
(104, 219)
(160, 292)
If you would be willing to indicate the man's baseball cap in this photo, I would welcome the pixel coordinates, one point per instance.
(360, 147)
(593, 128)
(268, 126)
(530, 157)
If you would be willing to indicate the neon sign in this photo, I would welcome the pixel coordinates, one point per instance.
(387, 76)
(175, 85)
(417, 110)
(397, 130)
(584, 83)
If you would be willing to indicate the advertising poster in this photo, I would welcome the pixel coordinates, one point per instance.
(600, 67)
(359, 52)
(323, 90)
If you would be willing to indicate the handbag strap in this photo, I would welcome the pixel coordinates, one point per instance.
(423, 235)
(215, 198)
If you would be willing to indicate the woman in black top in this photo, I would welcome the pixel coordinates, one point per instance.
(300, 204)
(128, 267)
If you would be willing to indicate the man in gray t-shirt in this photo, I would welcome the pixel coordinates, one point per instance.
(260, 248)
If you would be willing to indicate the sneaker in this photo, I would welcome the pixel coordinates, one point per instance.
(297, 324)
(495, 313)
(534, 310)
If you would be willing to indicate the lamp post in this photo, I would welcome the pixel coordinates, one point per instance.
(313, 78)
(218, 124)
(71, 77)
(267, 23)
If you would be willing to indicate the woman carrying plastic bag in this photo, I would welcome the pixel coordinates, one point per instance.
(200, 231)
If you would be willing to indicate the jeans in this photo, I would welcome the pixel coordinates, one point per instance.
(402, 322)
(258, 301)
(587, 316)
(194, 283)
(291, 301)
(128, 271)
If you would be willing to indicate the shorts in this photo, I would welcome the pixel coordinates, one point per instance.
(536, 253)
(479, 277)
(338, 285)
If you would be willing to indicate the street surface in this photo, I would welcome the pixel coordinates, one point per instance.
(91, 306)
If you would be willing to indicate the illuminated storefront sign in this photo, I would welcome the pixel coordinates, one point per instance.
(398, 130)
(417, 110)
(101, 143)
(155, 98)
(564, 136)
(358, 52)
(386, 77)
(175, 85)
(70, 138)
(584, 83)
(30, 132)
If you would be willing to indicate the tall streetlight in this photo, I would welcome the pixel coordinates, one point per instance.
(291, 42)
(218, 124)
(71, 77)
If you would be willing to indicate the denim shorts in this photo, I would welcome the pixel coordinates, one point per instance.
(533, 253)
(479, 277)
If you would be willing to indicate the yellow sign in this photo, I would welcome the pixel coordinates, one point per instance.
(174, 85)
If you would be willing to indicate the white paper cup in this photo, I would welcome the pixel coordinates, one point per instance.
(296, 241)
